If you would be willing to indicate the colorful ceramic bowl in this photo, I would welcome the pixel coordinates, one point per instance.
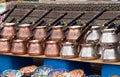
(57, 71)
(43, 70)
(12, 73)
(77, 73)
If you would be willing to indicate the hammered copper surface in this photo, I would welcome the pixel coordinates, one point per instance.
(8, 31)
(35, 48)
(5, 45)
(19, 47)
(24, 31)
(52, 49)
(57, 33)
(40, 33)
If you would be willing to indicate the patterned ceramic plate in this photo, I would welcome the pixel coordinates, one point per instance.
(12, 73)
(77, 73)
(57, 71)
(43, 70)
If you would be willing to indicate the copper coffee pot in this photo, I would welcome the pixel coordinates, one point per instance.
(8, 30)
(24, 31)
(52, 49)
(57, 33)
(35, 48)
(5, 45)
(40, 33)
(73, 33)
(19, 47)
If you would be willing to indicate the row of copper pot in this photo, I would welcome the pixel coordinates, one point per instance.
(25, 31)
(53, 49)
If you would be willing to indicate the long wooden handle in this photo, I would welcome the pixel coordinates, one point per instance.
(96, 16)
(113, 19)
(4, 12)
(45, 14)
(73, 21)
(26, 15)
(59, 18)
(76, 18)
(112, 25)
(4, 19)
(38, 24)
(83, 33)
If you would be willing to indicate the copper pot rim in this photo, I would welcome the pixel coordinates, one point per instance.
(24, 25)
(41, 27)
(34, 41)
(59, 26)
(18, 40)
(4, 39)
(75, 26)
(9, 24)
(51, 41)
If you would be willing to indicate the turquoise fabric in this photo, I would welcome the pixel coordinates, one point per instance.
(69, 65)
(109, 70)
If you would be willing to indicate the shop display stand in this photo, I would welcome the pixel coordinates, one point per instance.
(73, 59)
(91, 8)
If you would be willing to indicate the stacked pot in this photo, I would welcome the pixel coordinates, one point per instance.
(103, 42)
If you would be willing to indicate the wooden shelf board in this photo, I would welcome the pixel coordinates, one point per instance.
(73, 59)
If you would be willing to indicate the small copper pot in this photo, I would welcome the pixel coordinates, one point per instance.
(35, 48)
(57, 33)
(19, 47)
(52, 49)
(4, 45)
(40, 33)
(73, 33)
(24, 31)
(8, 30)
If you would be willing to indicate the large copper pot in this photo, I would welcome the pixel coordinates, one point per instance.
(57, 33)
(4, 45)
(24, 31)
(35, 48)
(52, 49)
(19, 47)
(73, 33)
(40, 33)
(8, 30)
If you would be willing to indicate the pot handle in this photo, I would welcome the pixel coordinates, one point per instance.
(87, 34)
